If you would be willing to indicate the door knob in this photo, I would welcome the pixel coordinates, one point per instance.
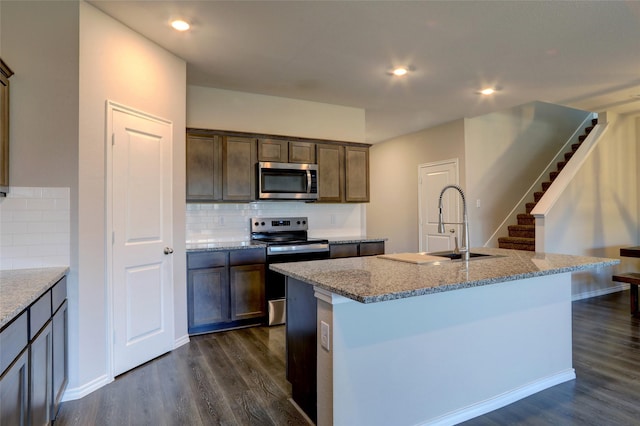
(168, 250)
(453, 231)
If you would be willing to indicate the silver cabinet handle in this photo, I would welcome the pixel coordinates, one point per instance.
(168, 250)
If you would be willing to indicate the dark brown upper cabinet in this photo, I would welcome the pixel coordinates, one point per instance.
(204, 168)
(283, 151)
(5, 73)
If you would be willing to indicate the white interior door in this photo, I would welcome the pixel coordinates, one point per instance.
(142, 267)
(433, 177)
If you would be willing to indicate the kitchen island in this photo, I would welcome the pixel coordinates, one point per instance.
(434, 343)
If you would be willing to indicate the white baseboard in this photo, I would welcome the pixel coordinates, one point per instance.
(76, 393)
(600, 292)
(503, 400)
(181, 341)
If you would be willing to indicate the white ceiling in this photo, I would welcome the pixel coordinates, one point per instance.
(579, 53)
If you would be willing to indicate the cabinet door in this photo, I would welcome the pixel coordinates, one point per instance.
(14, 385)
(208, 298)
(371, 248)
(343, 250)
(60, 324)
(302, 152)
(5, 73)
(275, 150)
(247, 292)
(204, 168)
(357, 174)
(40, 388)
(330, 173)
(239, 160)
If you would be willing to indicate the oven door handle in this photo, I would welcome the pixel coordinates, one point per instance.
(305, 248)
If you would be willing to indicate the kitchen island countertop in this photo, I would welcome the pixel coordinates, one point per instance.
(21, 287)
(371, 279)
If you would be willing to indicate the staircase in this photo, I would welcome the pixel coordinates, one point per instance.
(523, 235)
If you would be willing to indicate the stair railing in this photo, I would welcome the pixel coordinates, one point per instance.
(503, 228)
(561, 182)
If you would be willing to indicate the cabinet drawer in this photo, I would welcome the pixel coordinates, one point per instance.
(13, 339)
(58, 294)
(371, 248)
(210, 259)
(39, 314)
(343, 250)
(247, 256)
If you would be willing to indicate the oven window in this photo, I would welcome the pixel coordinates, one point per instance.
(284, 181)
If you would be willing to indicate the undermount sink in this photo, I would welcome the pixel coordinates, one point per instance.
(457, 256)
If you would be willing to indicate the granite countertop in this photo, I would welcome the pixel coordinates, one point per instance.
(19, 288)
(354, 239)
(194, 246)
(371, 279)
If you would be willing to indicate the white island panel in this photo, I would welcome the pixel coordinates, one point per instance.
(443, 358)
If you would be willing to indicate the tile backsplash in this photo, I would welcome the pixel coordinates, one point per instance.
(35, 228)
(230, 222)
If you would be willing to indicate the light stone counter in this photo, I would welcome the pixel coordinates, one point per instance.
(19, 288)
(355, 239)
(195, 246)
(370, 279)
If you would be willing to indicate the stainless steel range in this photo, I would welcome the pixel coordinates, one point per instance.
(287, 241)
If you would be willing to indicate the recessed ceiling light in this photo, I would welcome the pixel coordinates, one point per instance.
(180, 25)
(487, 91)
(400, 71)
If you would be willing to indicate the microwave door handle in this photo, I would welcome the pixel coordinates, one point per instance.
(308, 181)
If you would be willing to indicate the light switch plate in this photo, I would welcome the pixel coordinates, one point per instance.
(324, 335)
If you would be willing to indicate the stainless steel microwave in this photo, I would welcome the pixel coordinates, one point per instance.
(287, 181)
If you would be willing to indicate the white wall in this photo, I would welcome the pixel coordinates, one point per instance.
(507, 151)
(120, 65)
(209, 108)
(598, 212)
(393, 210)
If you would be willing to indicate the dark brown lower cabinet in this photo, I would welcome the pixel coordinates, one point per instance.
(60, 367)
(14, 392)
(364, 248)
(225, 289)
(33, 360)
(246, 283)
(301, 345)
(40, 384)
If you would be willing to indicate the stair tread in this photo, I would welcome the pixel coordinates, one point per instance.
(523, 227)
(517, 239)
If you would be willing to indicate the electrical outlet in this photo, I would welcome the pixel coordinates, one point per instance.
(324, 335)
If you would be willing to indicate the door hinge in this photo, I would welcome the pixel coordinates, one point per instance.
(113, 139)
(113, 237)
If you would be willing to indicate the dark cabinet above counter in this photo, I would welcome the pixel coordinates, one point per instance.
(221, 165)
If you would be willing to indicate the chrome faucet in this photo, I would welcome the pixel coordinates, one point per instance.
(465, 221)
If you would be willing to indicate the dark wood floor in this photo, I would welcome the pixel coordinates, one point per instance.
(238, 378)
(228, 378)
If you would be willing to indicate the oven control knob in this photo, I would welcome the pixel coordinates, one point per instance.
(298, 222)
(304, 222)
(262, 223)
(257, 223)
